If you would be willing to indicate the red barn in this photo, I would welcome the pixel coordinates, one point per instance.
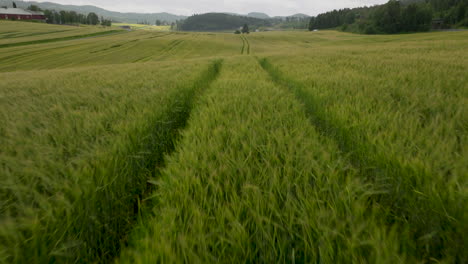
(20, 14)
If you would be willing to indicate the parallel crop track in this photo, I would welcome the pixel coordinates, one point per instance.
(95, 222)
(165, 51)
(42, 41)
(245, 45)
(330, 148)
(395, 181)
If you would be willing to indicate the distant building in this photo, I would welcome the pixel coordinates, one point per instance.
(21, 14)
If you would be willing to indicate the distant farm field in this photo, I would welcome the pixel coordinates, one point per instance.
(142, 26)
(147, 146)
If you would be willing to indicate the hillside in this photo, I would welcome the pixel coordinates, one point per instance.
(115, 16)
(220, 22)
(258, 15)
(396, 17)
(300, 15)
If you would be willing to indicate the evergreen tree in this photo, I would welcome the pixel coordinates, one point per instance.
(245, 29)
(388, 17)
(416, 17)
(93, 19)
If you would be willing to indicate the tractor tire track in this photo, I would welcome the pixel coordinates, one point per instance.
(248, 45)
(96, 226)
(29, 54)
(397, 197)
(161, 35)
(165, 51)
(20, 35)
(114, 46)
(245, 46)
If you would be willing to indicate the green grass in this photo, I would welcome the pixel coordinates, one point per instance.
(143, 27)
(253, 181)
(41, 41)
(15, 32)
(413, 194)
(78, 196)
(289, 147)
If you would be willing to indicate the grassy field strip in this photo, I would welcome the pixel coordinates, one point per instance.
(128, 43)
(194, 46)
(31, 52)
(115, 46)
(252, 181)
(161, 35)
(208, 45)
(42, 41)
(113, 50)
(243, 45)
(24, 31)
(173, 48)
(436, 216)
(336, 148)
(93, 183)
(71, 55)
(136, 48)
(30, 49)
(22, 35)
(188, 47)
(27, 55)
(75, 55)
(164, 51)
(145, 27)
(248, 45)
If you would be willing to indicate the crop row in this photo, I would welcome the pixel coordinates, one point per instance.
(253, 181)
(405, 133)
(77, 152)
(274, 169)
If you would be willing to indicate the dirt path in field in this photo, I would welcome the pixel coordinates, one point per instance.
(245, 46)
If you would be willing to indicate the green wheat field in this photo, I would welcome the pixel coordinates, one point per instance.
(149, 146)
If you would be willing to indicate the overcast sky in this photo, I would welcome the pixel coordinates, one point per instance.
(188, 7)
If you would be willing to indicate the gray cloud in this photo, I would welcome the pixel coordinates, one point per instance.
(188, 7)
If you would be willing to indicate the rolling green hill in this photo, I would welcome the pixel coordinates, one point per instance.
(258, 15)
(220, 22)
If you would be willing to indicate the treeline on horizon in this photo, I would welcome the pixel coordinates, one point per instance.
(224, 21)
(404, 16)
(396, 17)
(71, 17)
(219, 21)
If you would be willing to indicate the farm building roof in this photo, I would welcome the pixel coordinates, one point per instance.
(18, 11)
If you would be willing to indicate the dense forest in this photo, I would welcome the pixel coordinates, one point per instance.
(396, 17)
(220, 22)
